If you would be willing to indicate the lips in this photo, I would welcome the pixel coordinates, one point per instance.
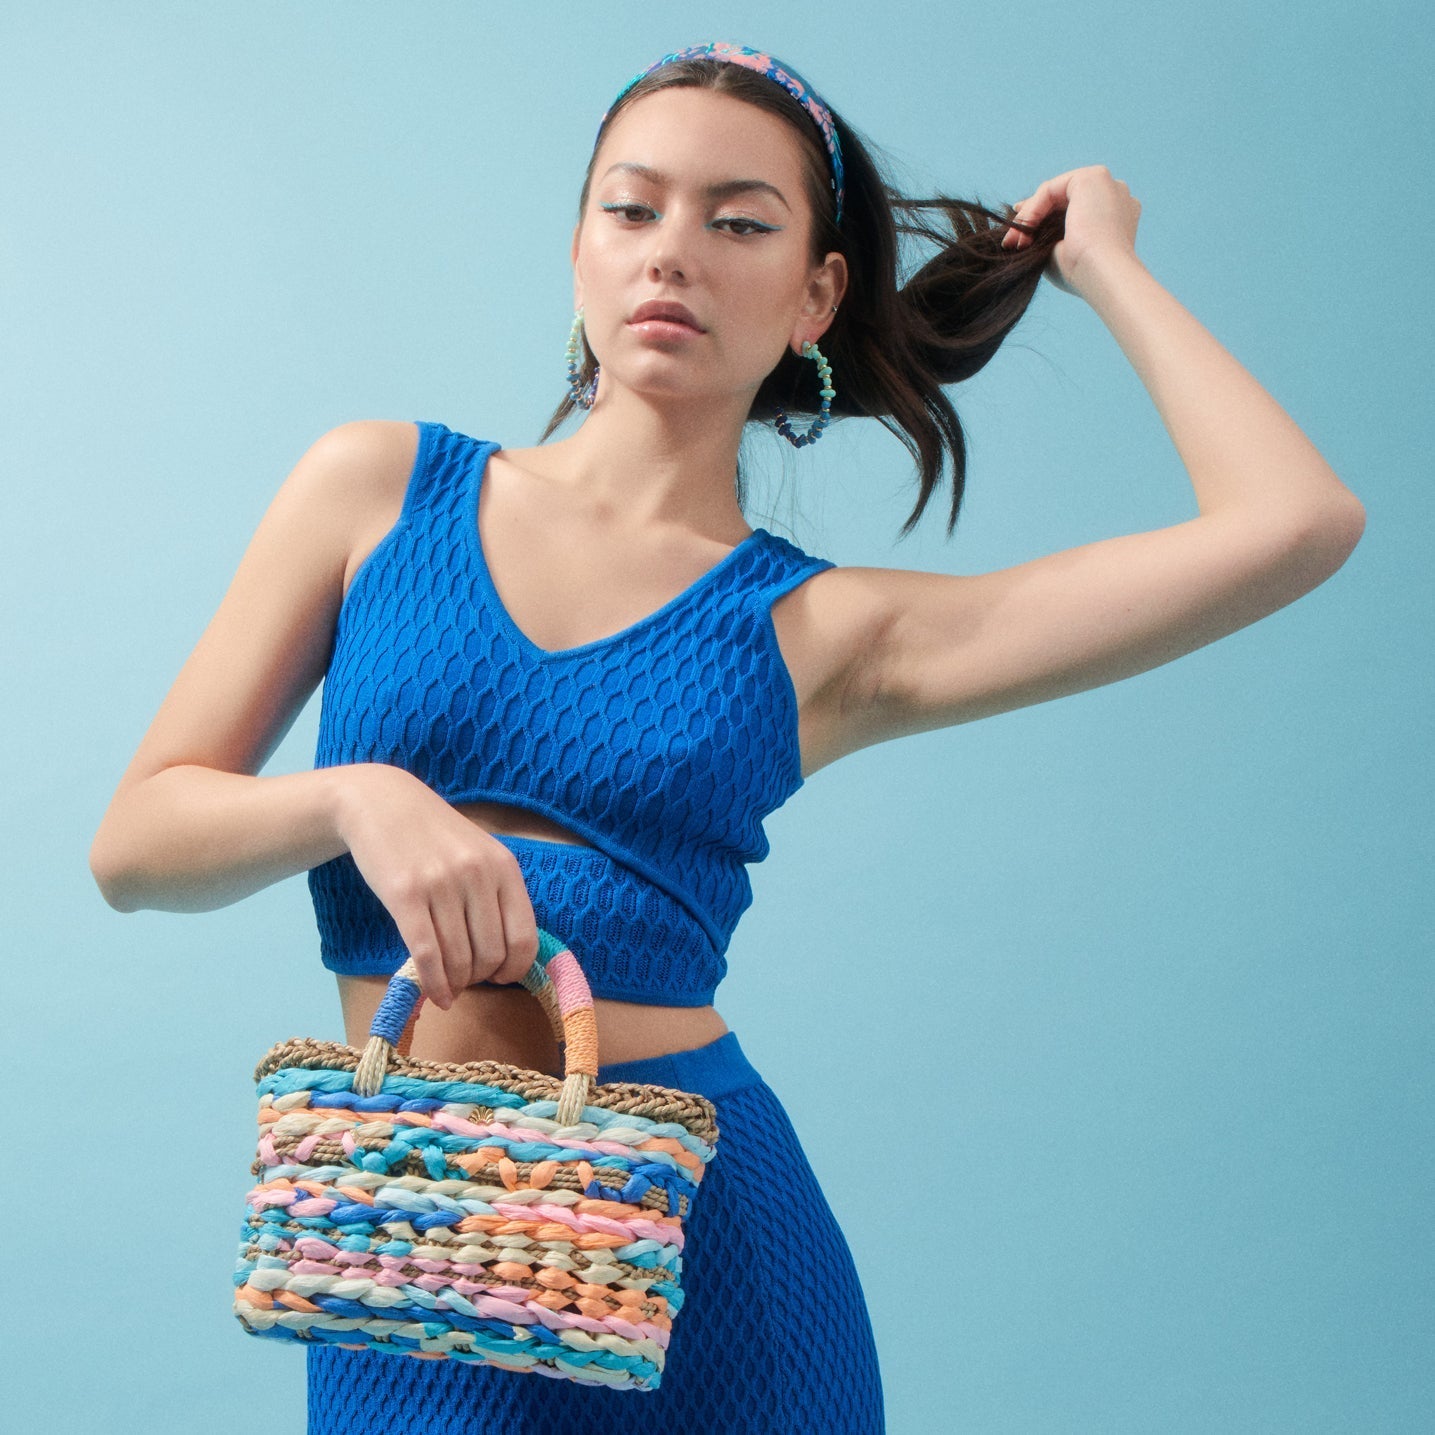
(665, 309)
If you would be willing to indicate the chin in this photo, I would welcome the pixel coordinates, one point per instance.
(673, 385)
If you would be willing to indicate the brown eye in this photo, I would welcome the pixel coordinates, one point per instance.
(626, 210)
(752, 226)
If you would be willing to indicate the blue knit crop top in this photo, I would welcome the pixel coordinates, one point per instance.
(664, 745)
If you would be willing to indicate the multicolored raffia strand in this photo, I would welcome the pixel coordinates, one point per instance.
(451, 1215)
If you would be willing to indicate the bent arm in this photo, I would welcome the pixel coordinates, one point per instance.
(1243, 453)
(193, 825)
(1274, 522)
(190, 838)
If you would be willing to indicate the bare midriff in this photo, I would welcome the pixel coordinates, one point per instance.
(505, 1022)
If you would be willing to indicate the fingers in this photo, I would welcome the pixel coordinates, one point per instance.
(1052, 194)
(467, 918)
(1036, 207)
(1031, 210)
(448, 932)
(520, 925)
(488, 933)
(420, 938)
(1026, 213)
(470, 930)
(502, 924)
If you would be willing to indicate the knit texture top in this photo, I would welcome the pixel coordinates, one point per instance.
(664, 745)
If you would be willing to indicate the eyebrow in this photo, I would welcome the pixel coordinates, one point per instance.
(723, 190)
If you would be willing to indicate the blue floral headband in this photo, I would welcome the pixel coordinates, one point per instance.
(763, 64)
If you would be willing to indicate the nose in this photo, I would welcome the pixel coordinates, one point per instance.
(667, 254)
(662, 264)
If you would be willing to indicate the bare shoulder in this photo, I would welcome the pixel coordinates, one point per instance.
(828, 629)
(266, 647)
(365, 451)
(359, 469)
(366, 464)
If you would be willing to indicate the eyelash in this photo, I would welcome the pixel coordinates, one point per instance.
(756, 226)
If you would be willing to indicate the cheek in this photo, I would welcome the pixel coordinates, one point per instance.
(766, 273)
(763, 299)
(598, 255)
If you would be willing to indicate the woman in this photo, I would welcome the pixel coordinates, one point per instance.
(565, 684)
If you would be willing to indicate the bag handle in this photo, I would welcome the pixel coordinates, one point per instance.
(555, 978)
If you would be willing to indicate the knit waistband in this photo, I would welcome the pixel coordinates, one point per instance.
(634, 941)
(713, 1070)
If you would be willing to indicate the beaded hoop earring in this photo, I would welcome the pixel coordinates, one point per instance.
(583, 394)
(815, 429)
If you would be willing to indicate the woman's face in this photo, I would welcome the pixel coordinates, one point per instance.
(737, 259)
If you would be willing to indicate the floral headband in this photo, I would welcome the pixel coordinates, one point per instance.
(763, 64)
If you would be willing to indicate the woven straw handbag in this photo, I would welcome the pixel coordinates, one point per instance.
(472, 1211)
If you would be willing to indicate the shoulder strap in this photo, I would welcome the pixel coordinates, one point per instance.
(418, 490)
(444, 473)
(785, 567)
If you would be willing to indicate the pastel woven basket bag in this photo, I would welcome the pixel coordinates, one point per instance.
(472, 1211)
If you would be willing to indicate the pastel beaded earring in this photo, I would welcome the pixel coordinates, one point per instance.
(583, 395)
(818, 425)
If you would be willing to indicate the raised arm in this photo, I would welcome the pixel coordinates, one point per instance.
(1274, 521)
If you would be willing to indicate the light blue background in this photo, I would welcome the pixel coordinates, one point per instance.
(1135, 986)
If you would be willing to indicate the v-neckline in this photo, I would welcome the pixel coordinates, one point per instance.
(480, 469)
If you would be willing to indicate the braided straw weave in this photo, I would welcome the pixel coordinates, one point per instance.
(472, 1211)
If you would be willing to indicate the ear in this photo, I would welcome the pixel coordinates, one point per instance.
(573, 257)
(825, 291)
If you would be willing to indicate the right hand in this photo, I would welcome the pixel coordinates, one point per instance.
(1101, 215)
(455, 893)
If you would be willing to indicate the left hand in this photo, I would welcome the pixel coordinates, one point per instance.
(1101, 215)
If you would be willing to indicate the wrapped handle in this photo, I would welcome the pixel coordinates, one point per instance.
(555, 978)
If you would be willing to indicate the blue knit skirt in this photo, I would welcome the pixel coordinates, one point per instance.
(767, 1340)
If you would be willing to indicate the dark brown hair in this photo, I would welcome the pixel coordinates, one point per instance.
(894, 344)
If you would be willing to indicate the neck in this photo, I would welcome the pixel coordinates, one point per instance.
(649, 462)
